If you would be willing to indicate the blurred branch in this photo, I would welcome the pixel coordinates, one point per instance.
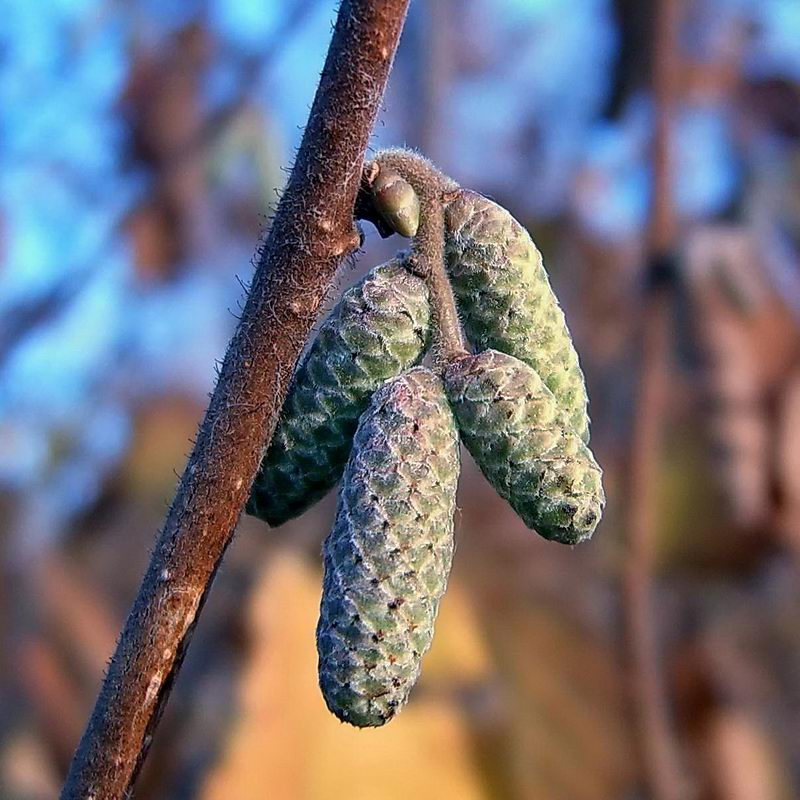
(312, 233)
(634, 24)
(434, 75)
(52, 695)
(75, 613)
(252, 71)
(19, 321)
(655, 738)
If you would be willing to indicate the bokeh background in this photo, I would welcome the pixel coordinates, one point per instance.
(142, 144)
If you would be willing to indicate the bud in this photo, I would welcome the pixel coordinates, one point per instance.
(520, 438)
(396, 201)
(388, 556)
(378, 330)
(506, 301)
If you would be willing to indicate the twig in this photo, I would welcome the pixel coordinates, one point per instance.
(312, 232)
(431, 187)
(428, 251)
(654, 738)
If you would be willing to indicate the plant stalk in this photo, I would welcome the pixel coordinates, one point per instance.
(313, 231)
(427, 251)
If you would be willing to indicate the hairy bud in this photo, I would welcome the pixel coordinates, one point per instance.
(520, 438)
(506, 301)
(388, 556)
(378, 330)
(396, 201)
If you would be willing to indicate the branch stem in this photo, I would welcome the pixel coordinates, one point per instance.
(313, 231)
(428, 258)
(427, 250)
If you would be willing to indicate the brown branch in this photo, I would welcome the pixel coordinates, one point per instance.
(312, 232)
(428, 253)
(655, 738)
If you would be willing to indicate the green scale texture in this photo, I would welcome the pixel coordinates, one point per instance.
(506, 301)
(378, 330)
(388, 556)
(516, 432)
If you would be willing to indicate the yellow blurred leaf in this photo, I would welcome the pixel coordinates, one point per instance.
(458, 653)
(162, 439)
(286, 744)
(567, 736)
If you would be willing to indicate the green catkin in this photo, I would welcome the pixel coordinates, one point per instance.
(388, 556)
(506, 301)
(378, 330)
(517, 433)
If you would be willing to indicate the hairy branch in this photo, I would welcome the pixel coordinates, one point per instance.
(312, 232)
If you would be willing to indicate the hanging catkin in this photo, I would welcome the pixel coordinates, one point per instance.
(506, 301)
(378, 330)
(388, 556)
(516, 432)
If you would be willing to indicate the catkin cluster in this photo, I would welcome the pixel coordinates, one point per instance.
(361, 410)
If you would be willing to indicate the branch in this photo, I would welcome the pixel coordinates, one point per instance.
(312, 232)
(655, 738)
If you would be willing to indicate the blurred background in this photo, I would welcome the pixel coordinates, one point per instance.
(142, 144)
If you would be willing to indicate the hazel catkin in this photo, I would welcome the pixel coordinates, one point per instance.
(388, 556)
(378, 329)
(522, 442)
(506, 301)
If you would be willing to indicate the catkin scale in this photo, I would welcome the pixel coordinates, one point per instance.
(506, 301)
(519, 437)
(379, 328)
(388, 555)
